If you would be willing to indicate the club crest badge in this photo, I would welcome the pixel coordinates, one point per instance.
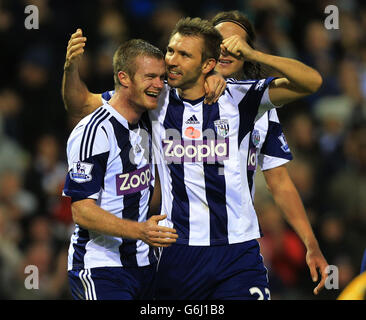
(222, 127)
(256, 137)
(81, 172)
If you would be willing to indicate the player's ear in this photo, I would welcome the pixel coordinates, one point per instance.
(124, 79)
(208, 65)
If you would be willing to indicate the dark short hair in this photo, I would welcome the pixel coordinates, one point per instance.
(125, 56)
(240, 19)
(197, 27)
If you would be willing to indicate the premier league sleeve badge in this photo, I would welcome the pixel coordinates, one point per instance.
(81, 172)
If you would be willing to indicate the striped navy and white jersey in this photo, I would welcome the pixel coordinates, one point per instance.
(207, 156)
(109, 161)
(202, 153)
(269, 148)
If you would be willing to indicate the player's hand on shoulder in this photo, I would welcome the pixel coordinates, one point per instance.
(75, 48)
(238, 47)
(158, 236)
(215, 85)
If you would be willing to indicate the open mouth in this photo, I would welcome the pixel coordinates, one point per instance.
(225, 61)
(174, 74)
(152, 94)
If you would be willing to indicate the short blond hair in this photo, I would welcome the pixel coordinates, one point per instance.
(124, 59)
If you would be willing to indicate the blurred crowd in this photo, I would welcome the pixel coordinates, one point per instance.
(326, 132)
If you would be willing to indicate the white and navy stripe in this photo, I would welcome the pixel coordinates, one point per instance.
(209, 203)
(87, 140)
(212, 203)
(88, 285)
(107, 144)
(274, 151)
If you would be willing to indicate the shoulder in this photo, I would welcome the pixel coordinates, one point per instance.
(232, 81)
(97, 119)
(257, 84)
(235, 84)
(255, 88)
(90, 135)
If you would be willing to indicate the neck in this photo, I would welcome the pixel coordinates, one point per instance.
(124, 107)
(195, 92)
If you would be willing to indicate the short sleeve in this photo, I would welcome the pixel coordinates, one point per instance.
(275, 150)
(87, 154)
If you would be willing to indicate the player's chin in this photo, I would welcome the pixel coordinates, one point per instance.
(151, 105)
(225, 71)
(175, 83)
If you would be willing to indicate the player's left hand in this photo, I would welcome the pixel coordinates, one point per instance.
(238, 47)
(316, 262)
(215, 85)
(75, 49)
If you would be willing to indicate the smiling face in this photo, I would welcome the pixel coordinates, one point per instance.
(228, 65)
(184, 61)
(147, 82)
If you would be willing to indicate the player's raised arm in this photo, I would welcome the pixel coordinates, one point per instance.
(78, 100)
(298, 80)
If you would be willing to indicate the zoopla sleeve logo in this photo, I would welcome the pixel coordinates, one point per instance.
(134, 181)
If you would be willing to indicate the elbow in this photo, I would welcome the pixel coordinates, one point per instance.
(316, 83)
(76, 214)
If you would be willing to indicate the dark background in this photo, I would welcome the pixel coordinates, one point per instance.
(326, 132)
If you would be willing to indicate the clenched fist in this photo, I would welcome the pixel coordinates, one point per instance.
(238, 47)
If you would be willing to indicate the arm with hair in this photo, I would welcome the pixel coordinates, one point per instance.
(298, 80)
(78, 100)
(89, 215)
(288, 200)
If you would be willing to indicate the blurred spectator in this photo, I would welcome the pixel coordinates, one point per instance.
(10, 255)
(10, 106)
(282, 249)
(17, 201)
(318, 52)
(347, 189)
(340, 251)
(52, 273)
(46, 174)
(163, 21)
(12, 156)
(112, 30)
(334, 238)
(302, 136)
(350, 34)
(302, 174)
(271, 25)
